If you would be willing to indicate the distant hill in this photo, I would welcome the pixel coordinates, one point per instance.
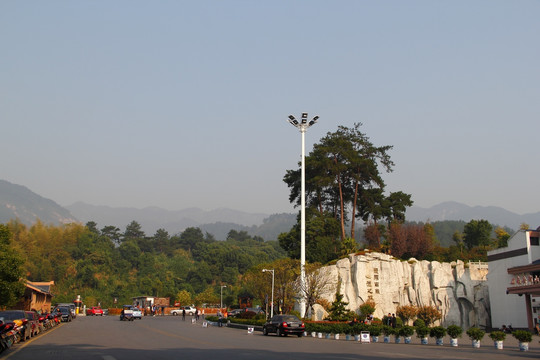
(18, 202)
(451, 210)
(217, 222)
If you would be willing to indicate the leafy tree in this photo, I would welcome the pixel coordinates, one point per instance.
(11, 271)
(191, 237)
(113, 233)
(133, 231)
(367, 308)
(343, 172)
(183, 297)
(502, 237)
(322, 238)
(208, 296)
(429, 314)
(406, 312)
(477, 233)
(397, 235)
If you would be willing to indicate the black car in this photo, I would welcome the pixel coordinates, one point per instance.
(284, 325)
(64, 312)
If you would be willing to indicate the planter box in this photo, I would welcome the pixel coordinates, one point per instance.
(523, 346)
(407, 339)
(476, 344)
(424, 341)
(439, 341)
(498, 344)
(453, 342)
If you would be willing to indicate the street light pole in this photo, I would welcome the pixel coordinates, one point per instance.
(303, 125)
(221, 303)
(271, 301)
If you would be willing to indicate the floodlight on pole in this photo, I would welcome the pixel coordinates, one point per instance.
(271, 301)
(303, 126)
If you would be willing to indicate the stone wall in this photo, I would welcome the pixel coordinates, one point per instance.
(460, 292)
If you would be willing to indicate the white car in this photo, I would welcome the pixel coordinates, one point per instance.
(190, 310)
(137, 313)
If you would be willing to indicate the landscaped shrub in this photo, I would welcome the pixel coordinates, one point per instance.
(497, 336)
(422, 332)
(429, 314)
(419, 323)
(406, 331)
(523, 336)
(437, 332)
(406, 313)
(475, 333)
(454, 331)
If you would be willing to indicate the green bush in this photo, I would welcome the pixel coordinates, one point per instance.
(475, 333)
(406, 331)
(422, 332)
(437, 332)
(388, 330)
(419, 323)
(454, 331)
(375, 330)
(497, 336)
(523, 336)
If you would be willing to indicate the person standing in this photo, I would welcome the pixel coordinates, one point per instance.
(183, 314)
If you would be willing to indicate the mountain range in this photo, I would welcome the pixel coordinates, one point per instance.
(19, 202)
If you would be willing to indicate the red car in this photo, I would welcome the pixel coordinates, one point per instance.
(94, 311)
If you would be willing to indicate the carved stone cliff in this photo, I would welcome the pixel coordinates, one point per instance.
(457, 290)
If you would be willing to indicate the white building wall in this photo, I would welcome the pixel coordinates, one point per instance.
(509, 309)
(506, 309)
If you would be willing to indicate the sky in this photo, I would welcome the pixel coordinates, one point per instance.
(180, 104)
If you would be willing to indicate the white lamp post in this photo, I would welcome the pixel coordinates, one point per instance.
(303, 125)
(271, 301)
(221, 303)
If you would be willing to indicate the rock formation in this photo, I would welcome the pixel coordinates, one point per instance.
(457, 290)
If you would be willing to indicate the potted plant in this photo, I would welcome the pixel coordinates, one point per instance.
(524, 337)
(387, 331)
(422, 332)
(498, 338)
(375, 331)
(476, 335)
(348, 330)
(397, 335)
(406, 331)
(454, 332)
(337, 329)
(438, 333)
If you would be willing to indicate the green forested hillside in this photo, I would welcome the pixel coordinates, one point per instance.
(103, 264)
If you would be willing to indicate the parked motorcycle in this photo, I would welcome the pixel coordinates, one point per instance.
(7, 335)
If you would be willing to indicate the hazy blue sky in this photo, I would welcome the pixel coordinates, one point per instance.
(183, 104)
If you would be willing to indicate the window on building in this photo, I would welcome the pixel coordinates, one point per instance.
(535, 241)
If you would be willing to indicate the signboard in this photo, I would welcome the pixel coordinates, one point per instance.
(250, 330)
(204, 324)
(364, 337)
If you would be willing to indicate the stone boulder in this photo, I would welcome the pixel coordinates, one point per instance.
(457, 290)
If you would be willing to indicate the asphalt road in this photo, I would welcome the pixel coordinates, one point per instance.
(107, 338)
